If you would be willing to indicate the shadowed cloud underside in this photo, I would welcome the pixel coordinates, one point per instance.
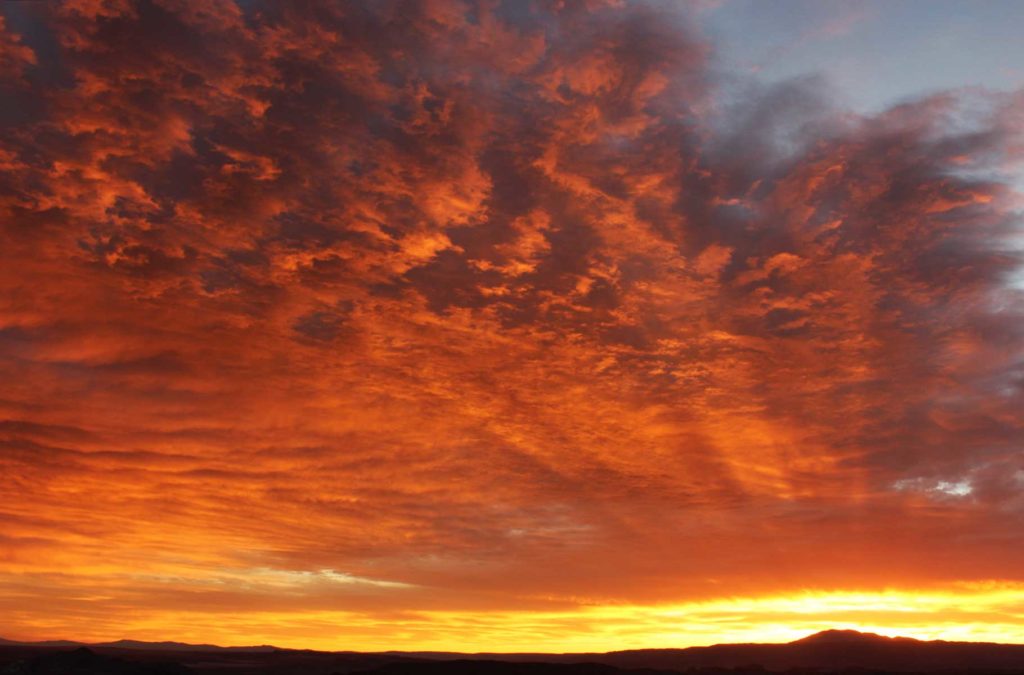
(494, 325)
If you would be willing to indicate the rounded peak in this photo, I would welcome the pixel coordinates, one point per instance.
(837, 636)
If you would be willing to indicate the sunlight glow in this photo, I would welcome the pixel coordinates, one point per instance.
(989, 611)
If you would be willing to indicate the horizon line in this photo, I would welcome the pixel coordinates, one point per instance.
(114, 644)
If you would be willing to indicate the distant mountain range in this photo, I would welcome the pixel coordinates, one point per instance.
(138, 644)
(829, 651)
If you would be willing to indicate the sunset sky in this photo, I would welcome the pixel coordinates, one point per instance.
(511, 325)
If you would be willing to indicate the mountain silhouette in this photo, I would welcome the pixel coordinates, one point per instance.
(835, 636)
(139, 645)
(831, 651)
(84, 661)
(834, 649)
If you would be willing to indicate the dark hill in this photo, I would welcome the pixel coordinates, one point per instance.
(84, 661)
(847, 637)
(826, 652)
(834, 650)
(830, 650)
(489, 667)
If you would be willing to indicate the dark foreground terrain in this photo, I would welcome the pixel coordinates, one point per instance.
(830, 652)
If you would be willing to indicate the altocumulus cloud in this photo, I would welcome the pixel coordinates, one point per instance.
(485, 306)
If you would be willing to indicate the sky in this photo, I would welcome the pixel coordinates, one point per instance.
(873, 53)
(508, 325)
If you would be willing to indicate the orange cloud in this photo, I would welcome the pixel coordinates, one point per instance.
(482, 327)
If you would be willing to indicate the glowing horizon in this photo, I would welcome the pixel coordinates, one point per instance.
(986, 613)
(491, 324)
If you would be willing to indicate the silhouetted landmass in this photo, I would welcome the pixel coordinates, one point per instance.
(494, 667)
(830, 652)
(835, 649)
(84, 661)
(42, 643)
(138, 644)
(826, 650)
(211, 660)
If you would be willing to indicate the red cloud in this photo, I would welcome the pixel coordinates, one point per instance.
(496, 301)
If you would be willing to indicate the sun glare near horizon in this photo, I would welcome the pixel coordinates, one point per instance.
(972, 613)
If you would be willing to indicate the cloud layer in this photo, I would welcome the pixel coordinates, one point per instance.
(398, 307)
